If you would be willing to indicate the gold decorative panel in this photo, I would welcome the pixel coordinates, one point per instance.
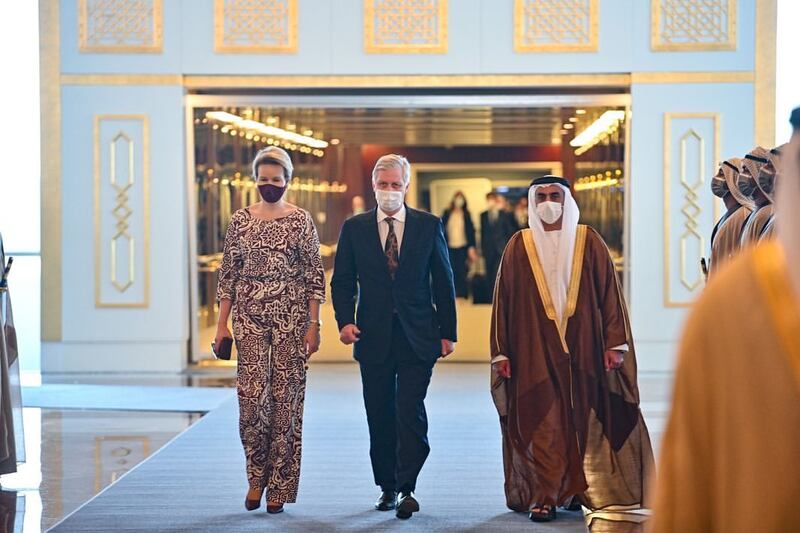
(120, 26)
(255, 26)
(693, 25)
(405, 26)
(121, 211)
(555, 25)
(691, 153)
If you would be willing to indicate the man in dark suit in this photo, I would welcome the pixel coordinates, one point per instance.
(497, 227)
(392, 263)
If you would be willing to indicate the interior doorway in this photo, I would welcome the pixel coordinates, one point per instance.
(483, 147)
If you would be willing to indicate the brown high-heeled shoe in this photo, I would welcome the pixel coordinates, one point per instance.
(252, 505)
(274, 508)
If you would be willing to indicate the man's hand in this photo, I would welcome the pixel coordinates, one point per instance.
(613, 359)
(448, 347)
(349, 334)
(503, 368)
(472, 255)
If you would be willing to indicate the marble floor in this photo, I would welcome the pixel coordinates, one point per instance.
(75, 454)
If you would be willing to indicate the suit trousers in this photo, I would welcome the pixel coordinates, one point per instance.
(458, 261)
(394, 397)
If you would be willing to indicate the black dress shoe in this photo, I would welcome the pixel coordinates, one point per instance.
(386, 501)
(406, 505)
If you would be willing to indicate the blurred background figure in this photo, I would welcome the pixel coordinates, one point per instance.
(459, 231)
(729, 456)
(521, 213)
(357, 205)
(497, 227)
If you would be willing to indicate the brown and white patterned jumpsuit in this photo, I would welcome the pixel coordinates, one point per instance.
(270, 270)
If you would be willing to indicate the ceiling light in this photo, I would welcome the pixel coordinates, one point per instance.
(334, 141)
(573, 119)
(568, 126)
(289, 138)
(597, 131)
(580, 111)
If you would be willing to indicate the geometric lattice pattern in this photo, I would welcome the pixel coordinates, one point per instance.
(121, 211)
(692, 147)
(121, 26)
(122, 245)
(255, 26)
(405, 26)
(693, 25)
(690, 151)
(555, 25)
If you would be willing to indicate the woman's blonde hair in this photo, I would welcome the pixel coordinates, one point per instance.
(272, 155)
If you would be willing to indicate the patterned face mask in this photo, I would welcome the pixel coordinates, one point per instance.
(766, 179)
(746, 183)
(719, 187)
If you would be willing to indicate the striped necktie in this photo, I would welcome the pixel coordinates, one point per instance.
(391, 248)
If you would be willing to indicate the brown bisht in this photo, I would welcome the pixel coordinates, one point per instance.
(569, 427)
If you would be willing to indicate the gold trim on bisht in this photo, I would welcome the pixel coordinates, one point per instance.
(574, 282)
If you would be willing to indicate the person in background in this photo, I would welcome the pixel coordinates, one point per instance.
(357, 205)
(497, 227)
(727, 234)
(459, 231)
(272, 279)
(521, 213)
(752, 165)
(729, 458)
(767, 180)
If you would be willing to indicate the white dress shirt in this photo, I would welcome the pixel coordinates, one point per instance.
(456, 230)
(399, 226)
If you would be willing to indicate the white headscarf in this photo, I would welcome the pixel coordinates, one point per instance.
(566, 244)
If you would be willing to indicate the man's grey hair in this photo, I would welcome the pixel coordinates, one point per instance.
(393, 161)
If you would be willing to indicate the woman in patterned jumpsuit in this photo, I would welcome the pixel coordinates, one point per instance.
(272, 280)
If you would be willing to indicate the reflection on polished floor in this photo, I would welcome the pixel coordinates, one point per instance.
(76, 454)
(197, 481)
(84, 432)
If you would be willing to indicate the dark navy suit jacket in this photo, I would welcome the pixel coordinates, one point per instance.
(422, 293)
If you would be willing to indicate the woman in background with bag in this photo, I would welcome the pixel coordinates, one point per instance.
(272, 280)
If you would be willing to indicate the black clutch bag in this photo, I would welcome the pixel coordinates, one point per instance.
(223, 351)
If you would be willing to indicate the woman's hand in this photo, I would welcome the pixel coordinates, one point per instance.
(222, 331)
(312, 340)
(472, 255)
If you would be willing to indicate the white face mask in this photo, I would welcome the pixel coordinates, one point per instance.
(549, 212)
(389, 201)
